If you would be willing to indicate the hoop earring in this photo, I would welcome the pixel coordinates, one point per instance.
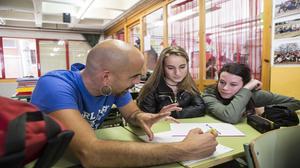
(106, 90)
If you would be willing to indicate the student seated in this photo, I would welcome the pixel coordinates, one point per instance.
(171, 84)
(236, 95)
(81, 100)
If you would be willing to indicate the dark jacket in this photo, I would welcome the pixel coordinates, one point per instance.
(192, 106)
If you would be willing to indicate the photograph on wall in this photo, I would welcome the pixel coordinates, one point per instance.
(286, 53)
(287, 29)
(286, 8)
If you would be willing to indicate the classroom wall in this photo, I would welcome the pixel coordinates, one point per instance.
(285, 81)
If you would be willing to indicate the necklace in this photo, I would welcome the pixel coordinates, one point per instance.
(170, 84)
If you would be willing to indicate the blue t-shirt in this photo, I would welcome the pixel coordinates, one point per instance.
(64, 89)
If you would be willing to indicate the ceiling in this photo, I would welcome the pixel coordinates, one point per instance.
(85, 15)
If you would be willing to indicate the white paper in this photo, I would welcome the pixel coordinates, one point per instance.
(166, 137)
(223, 129)
(220, 149)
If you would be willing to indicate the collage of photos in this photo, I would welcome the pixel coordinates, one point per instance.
(286, 42)
(287, 53)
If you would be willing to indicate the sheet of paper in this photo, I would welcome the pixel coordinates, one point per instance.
(221, 149)
(223, 129)
(165, 137)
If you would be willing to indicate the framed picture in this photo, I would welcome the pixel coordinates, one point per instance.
(286, 52)
(286, 8)
(287, 29)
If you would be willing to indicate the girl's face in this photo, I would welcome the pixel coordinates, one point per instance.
(229, 84)
(175, 68)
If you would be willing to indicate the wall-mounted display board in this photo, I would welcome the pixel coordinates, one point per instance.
(286, 33)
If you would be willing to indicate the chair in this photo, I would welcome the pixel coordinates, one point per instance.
(278, 148)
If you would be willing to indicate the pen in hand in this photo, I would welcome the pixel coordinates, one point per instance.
(213, 131)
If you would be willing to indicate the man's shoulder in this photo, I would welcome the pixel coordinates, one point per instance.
(61, 75)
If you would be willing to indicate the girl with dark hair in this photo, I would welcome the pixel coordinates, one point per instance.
(237, 94)
(172, 85)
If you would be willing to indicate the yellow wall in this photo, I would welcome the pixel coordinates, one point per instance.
(285, 81)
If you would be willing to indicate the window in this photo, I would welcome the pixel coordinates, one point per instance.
(153, 37)
(134, 36)
(52, 55)
(183, 28)
(19, 57)
(78, 51)
(120, 35)
(233, 34)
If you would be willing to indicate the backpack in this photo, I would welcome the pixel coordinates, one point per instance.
(27, 134)
(273, 117)
(281, 115)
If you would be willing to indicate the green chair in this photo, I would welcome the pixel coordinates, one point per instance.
(275, 149)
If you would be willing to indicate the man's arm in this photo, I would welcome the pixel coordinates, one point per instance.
(94, 152)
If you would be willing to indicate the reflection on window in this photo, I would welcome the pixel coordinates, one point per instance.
(153, 37)
(19, 57)
(52, 55)
(134, 36)
(78, 51)
(233, 34)
(183, 27)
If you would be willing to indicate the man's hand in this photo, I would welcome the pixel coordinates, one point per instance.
(198, 144)
(170, 108)
(146, 120)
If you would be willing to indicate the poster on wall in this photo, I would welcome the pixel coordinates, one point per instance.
(286, 7)
(287, 29)
(286, 52)
(286, 33)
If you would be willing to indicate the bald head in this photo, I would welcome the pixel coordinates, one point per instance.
(114, 56)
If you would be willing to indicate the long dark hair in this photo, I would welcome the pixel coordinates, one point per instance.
(241, 70)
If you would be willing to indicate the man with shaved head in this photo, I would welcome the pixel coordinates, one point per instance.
(82, 99)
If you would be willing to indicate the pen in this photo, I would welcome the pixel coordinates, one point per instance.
(213, 130)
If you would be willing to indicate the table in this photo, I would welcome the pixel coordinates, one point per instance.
(113, 133)
(233, 142)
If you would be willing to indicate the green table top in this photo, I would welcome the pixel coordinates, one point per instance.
(233, 142)
(113, 133)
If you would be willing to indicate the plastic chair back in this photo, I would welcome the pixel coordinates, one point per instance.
(275, 149)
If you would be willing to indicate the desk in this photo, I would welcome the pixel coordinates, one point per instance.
(233, 142)
(113, 133)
